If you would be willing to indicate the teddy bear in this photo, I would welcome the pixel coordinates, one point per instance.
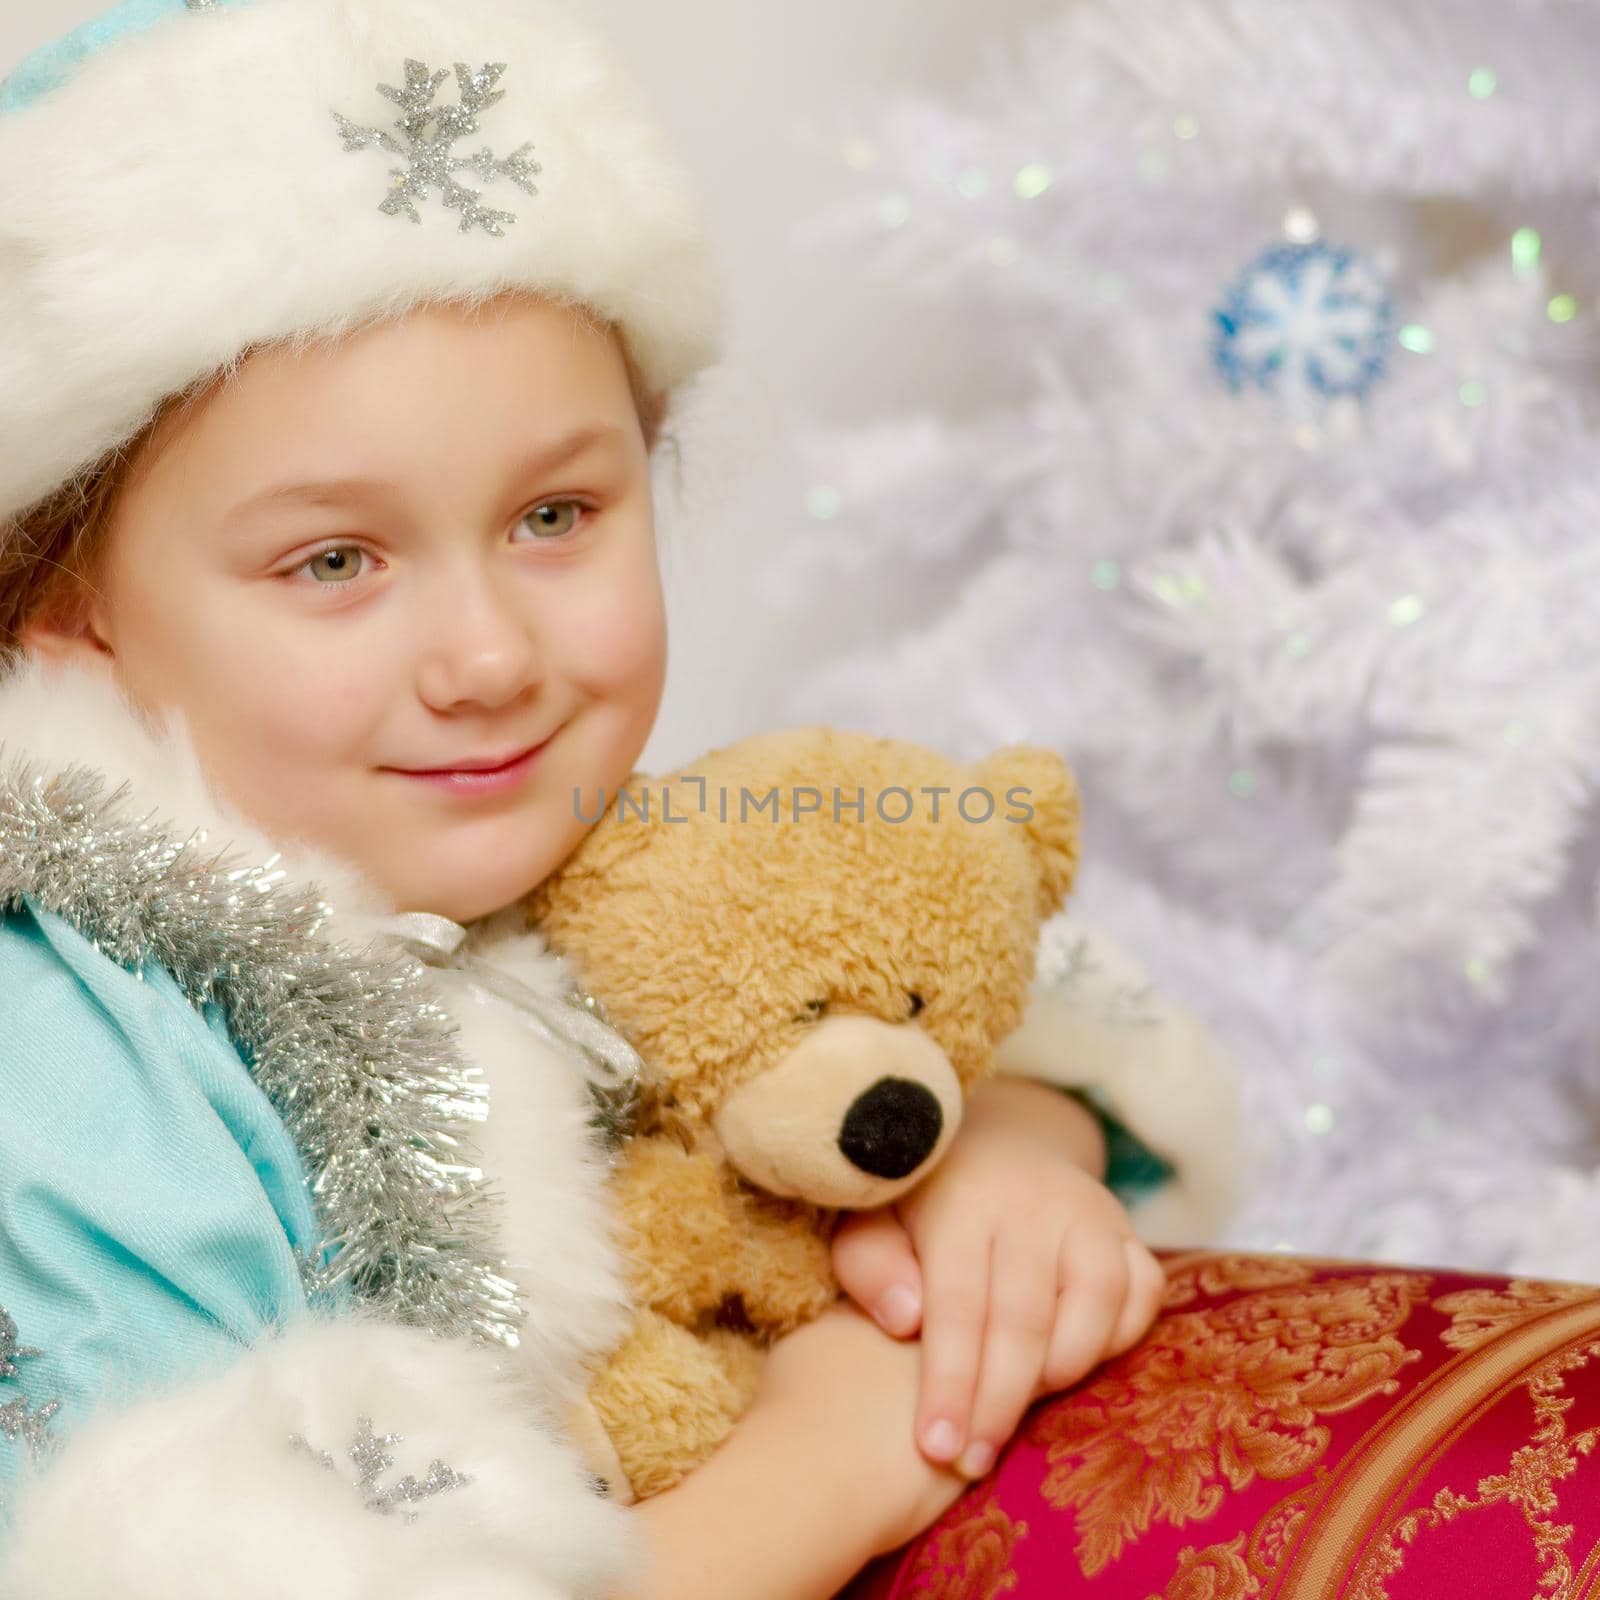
(815, 940)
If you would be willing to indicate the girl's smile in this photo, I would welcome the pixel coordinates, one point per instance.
(477, 778)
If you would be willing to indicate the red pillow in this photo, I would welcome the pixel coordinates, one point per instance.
(1295, 1429)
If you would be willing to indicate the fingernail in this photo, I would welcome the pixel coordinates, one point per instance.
(897, 1310)
(975, 1460)
(942, 1439)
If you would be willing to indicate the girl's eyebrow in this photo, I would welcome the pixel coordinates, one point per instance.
(347, 491)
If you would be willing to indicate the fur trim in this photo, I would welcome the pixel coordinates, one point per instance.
(200, 199)
(200, 1489)
(1094, 1022)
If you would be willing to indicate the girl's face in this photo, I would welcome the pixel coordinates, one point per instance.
(481, 579)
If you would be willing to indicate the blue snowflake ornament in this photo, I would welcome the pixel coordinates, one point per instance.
(1306, 321)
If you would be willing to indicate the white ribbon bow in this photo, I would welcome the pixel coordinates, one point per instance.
(577, 1021)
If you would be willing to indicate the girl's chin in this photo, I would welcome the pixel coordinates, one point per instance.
(466, 897)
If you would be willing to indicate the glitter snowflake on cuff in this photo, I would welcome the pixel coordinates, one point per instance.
(371, 1461)
(18, 1424)
(430, 156)
(1070, 963)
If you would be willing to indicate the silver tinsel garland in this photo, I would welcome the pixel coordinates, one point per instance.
(352, 1053)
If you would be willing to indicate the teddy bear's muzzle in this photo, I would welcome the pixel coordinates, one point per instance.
(852, 1116)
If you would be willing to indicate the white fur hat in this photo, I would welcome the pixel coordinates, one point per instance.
(181, 179)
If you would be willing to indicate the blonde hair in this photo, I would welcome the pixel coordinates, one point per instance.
(51, 553)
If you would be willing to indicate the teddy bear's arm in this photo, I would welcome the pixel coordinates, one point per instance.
(666, 1399)
(678, 1227)
(785, 1270)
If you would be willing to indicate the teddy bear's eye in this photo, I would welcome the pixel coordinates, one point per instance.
(916, 1004)
(813, 1010)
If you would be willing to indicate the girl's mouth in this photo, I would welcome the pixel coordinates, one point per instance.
(493, 780)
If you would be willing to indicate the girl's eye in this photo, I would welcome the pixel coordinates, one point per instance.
(547, 519)
(341, 561)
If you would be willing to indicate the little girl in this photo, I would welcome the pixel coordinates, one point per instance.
(327, 578)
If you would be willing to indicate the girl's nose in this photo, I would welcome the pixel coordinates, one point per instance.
(478, 642)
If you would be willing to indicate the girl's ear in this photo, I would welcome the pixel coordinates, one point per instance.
(68, 628)
(652, 418)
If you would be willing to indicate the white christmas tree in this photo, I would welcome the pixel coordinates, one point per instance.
(1291, 542)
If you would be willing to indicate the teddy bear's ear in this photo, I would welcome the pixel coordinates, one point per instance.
(616, 835)
(1037, 787)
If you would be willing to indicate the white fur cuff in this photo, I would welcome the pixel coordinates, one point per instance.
(200, 1491)
(1151, 1063)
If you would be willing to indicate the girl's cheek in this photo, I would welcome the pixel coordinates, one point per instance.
(615, 635)
(309, 690)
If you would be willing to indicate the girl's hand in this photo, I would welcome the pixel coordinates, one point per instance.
(818, 1476)
(840, 1386)
(1020, 1267)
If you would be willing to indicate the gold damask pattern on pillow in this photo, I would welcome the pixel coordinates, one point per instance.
(1297, 1429)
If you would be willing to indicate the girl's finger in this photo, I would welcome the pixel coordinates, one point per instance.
(1094, 1270)
(1024, 1289)
(876, 1265)
(1147, 1288)
(955, 1287)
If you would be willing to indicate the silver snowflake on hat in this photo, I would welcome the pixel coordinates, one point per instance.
(431, 160)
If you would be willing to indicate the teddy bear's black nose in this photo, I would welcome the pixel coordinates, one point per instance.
(891, 1128)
